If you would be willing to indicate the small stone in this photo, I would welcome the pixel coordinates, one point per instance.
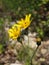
(43, 51)
(42, 59)
(15, 64)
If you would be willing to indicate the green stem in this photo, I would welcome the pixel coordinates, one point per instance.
(28, 36)
(34, 54)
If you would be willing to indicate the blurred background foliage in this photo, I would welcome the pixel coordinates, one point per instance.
(21, 7)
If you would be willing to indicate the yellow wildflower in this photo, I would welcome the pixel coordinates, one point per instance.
(14, 33)
(25, 22)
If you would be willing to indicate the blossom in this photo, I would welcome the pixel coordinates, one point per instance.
(25, 22)
(14, 33)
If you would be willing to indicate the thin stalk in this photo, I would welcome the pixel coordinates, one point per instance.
(28, 36)
(34, 54)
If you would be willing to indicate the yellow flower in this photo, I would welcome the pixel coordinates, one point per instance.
(14, 33)
(25, 22)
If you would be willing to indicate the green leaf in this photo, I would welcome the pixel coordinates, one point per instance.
(1, 48)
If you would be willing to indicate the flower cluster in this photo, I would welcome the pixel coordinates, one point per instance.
(15, 31)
